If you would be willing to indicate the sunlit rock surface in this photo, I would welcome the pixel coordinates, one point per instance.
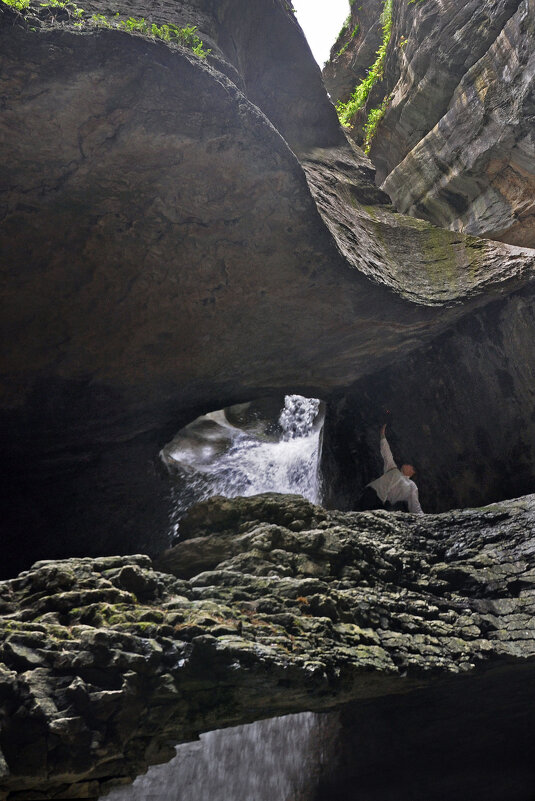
(456, 143)
(107, 661)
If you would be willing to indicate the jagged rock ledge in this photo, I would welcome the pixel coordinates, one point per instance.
(269, 605)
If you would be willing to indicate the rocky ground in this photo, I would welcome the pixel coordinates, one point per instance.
(269, 605)
(182, 233)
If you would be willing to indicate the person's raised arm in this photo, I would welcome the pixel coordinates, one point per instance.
(386, 453)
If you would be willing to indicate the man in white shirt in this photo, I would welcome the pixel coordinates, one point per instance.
(393, 490)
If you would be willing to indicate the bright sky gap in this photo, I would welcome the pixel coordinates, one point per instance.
(321, 21)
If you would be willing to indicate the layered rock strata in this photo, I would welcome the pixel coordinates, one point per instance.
(270, 605)
(455, 145)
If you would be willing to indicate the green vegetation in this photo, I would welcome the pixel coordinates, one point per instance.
(374, 118)
(344, 48)
(346, 111)
(169, 33)
(345, 27)
(69, 6)
(20, 5)
(187, 37)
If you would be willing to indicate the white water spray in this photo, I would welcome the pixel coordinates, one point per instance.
(281, 759)
(239, 452)
(212, 456)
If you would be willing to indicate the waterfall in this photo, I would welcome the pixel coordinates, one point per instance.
(270, 445)
(281, 759)
(216, 455)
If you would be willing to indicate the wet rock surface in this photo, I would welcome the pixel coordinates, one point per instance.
(107, 661)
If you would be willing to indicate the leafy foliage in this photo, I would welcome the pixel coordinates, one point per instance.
(347, 110)
(186, 36)
(374, 118)
(344, 48)
(19, 5)
(69, 6)
(169, 33)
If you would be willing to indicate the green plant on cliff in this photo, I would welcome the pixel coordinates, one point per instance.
(186, 36)
(344, 48)
(347, 110)
(19, 5)
(374, 118)
(167, 32)
(345, 27)
(67, 5)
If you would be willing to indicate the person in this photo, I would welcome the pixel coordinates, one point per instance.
(394, 490)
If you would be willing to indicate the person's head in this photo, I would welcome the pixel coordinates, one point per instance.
(408, 470)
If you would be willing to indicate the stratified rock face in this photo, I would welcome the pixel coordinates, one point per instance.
(277, 606)
(456, 143)
(475, 169)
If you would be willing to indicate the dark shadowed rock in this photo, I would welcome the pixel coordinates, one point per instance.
(106, 661)
(178, 235)
(463, 425)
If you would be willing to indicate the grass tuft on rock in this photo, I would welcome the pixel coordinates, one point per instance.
(346, 111)
(187, 36)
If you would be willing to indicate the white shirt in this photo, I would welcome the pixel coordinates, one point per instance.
(393, 486)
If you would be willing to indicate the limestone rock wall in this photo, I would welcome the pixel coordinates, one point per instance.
(270, 606)
(465, 425)
(354, 50)
(456, 143)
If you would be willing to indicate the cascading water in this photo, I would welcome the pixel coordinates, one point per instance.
(281, 759)
(246, 450)
(215, 455)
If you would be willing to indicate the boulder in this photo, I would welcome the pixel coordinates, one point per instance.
(107, 661)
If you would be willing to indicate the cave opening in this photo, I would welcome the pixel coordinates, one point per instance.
(284, 758)
(271, 444)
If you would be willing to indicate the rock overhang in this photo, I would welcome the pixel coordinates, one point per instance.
(168, 253)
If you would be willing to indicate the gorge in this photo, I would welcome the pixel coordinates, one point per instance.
(185, 231)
